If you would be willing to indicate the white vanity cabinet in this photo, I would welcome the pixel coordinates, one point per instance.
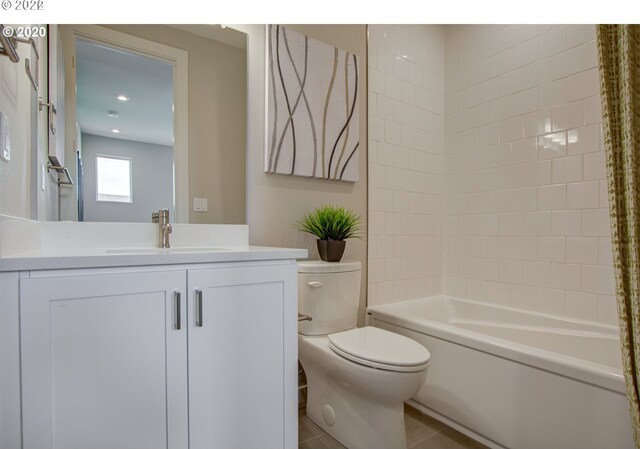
(103, 363)
(241, 362)
(160, 357)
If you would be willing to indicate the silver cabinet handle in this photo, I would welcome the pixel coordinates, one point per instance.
(199, 308)
(177, 324)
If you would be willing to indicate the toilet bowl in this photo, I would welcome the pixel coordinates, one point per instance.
(357, 378)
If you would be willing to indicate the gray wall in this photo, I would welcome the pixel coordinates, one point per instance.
(152, 179)
(217, 111)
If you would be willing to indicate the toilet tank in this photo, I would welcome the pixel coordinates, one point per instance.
(329, 292)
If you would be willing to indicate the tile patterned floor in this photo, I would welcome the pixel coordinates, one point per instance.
(423, 432)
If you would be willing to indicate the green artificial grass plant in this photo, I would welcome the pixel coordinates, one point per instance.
(331, 223)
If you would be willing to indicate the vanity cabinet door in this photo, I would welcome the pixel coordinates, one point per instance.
(243, 357)
(104, 361)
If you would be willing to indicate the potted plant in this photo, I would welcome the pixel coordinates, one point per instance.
(332, 225)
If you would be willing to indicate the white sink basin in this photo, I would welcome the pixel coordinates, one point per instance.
(165, 250)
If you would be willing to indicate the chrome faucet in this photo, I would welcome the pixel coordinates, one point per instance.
(162, 218)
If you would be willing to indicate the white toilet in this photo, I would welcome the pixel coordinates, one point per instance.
(357, 378)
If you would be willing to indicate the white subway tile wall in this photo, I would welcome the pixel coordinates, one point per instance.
(487, 171)
(486, 167)
(526, 215)
(406, 160)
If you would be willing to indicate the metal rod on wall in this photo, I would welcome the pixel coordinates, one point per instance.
(9, 45)
(9, 49)
(60, 170)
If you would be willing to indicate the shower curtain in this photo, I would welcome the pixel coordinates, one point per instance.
(619, 67)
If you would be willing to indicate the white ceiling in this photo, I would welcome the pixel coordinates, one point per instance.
(103, 73)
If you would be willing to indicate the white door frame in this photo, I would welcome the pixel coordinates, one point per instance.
(180, 60)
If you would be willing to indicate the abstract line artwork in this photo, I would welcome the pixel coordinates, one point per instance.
(313, 124)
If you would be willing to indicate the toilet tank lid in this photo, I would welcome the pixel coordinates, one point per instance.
(320, 266)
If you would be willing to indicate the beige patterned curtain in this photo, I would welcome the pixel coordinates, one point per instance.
(619, 54)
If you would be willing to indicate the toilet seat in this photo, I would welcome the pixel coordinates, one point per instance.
(377, 348)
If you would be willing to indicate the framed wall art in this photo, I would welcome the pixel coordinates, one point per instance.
(313, 119)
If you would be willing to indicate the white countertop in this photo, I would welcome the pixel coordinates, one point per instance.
(41, 245)
(56, 259)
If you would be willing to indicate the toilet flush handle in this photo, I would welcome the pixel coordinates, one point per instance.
(315, 284)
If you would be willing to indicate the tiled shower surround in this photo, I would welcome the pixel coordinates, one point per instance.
(406, 161)
(522, 203)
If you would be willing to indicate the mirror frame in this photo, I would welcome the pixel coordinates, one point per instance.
(180, 61)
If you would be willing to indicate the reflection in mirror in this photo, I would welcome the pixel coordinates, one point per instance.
(158, 121)
(125, 114)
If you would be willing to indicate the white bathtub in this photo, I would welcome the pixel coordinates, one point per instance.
(516, 379)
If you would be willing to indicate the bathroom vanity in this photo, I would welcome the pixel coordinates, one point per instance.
(143, 348)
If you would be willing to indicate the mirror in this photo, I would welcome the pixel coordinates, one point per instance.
(155, 117)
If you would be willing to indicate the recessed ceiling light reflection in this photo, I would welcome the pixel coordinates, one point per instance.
(116, 131)
(123, 98)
